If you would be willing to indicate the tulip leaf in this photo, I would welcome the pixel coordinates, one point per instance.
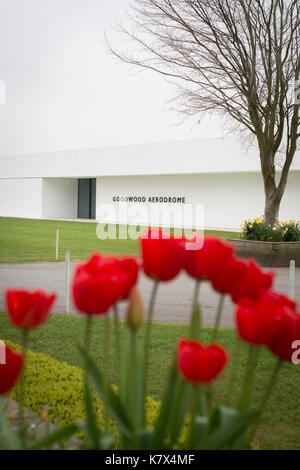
(93, 431)
(114, 404)
(107, 442)
(229, 427)
(143, 437)
(161, 425)
(181, 403)
(139, 412)
(220, 417)
(200, 427)
(57, 436)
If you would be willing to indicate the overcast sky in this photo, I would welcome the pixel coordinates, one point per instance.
(64, 91)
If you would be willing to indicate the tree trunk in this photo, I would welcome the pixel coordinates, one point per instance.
(272, 203)
(273, 194)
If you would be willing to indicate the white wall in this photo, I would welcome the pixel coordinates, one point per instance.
(228, 199)
(290, 204)
(224, 155)
(59, 199)
(21, 197)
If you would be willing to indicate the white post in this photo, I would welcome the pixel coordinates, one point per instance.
(57, 240)
(67, 282)
(292, 279)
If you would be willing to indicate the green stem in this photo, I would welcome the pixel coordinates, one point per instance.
(132, 380)
(178, 401)
(22, 425)
(118, 341)
(148, 336)
(195, 321)
(234, 365)
(248, 386)
(87, 339)
(196, 295)
(218, 317)
(106, 365)
(209, 398)
(197, 397)
(266, 396)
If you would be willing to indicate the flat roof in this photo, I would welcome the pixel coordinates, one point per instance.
(219, 155)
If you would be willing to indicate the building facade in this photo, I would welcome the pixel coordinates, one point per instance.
(215, 173)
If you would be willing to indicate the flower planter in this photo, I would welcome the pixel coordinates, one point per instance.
(271, 254)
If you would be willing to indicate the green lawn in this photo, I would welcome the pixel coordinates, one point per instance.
(27, 240)
(280, 428)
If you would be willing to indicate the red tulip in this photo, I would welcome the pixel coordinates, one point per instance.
(96, 285)
(251, 323)
(276, 298)
(283, 329)
(10, 371)
(229, 275)
(163, 258)
(198, 363)
(269, 321)
(28, 309)
(253, 282)
(129, 270)
(205, 262)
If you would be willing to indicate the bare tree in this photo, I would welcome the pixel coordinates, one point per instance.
(238, 58)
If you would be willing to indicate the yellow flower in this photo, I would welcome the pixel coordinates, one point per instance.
(250, 225)
(12, 416)
(292, 221)
(45, 415)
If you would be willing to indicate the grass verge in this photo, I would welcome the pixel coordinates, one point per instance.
(30, 240)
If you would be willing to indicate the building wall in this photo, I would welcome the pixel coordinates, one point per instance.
(290, 204)
(228, 199)
(201, 156)
(59, 200)
(21, 197)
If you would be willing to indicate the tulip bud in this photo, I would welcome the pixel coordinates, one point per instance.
(135, 311)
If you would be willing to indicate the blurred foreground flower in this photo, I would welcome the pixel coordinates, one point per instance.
(271, 321)
(101, 281)
(163, 258)
(199, 363)
(205, 262)
(10, 371)
(28, 309)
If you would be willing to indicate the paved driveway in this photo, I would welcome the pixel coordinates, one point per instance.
(173, 302)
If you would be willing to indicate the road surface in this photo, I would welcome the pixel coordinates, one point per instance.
(173, 301)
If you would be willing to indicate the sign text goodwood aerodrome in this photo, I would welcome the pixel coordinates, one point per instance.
(153, 199)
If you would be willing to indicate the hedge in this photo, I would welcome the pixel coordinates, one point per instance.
(58, 387)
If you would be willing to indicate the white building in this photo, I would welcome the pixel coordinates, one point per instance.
(216, 173)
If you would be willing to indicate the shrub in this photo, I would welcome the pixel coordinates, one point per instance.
(58, 387)
(283, 231)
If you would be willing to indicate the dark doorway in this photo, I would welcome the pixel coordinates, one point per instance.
(87, 198)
